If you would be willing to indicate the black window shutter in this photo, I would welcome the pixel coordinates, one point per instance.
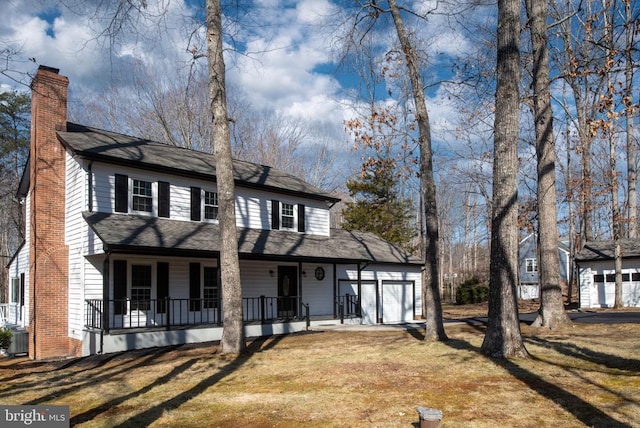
(163, 286)
(22, 289)
(195, 203)
(301, 225)
(122, 193)
(163, 199)
(194, 286)
(275, 215)
(119, 286)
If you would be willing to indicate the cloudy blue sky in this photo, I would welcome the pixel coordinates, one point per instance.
(284, 60)
(283, 54)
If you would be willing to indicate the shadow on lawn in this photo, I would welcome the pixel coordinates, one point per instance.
(86, 364)
(601, 358)
(152, 414)
(584, 411)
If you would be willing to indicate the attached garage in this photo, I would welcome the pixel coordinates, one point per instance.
(385, 301)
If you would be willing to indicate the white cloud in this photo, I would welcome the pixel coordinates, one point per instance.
(278, 63)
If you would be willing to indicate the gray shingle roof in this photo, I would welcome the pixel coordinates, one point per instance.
(604, 250)
(123, 233)
(100, 145)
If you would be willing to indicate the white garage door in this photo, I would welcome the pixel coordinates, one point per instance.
(397, 302)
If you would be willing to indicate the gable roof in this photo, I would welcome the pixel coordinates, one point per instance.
(563, 243)
(605, 250)
(111, 147)
(125, 233)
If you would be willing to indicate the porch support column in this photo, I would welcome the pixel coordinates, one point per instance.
(359, 291)
(335, 289)
(105, 292)
(299, 303)
(220, 317)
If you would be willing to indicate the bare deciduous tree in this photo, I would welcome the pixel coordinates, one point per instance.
(233, 340)
(551, 313)
(503, 337)
(431, 240)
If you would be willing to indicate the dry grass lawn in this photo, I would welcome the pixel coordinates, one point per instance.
(584, 375)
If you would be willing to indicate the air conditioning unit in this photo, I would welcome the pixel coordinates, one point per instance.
(19, 343)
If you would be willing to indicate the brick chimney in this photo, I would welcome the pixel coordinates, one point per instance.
(48, 254)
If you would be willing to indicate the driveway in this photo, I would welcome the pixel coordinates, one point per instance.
(602, 316)
(606, 316)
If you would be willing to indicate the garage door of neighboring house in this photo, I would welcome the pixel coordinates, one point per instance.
(397, 301)
(528, 291)
(368, 299)
(604, 288)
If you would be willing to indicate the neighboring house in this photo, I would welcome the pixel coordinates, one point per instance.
(595, 263)
(528, 262)
(122, 245)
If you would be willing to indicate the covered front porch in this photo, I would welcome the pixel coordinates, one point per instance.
(168, 322)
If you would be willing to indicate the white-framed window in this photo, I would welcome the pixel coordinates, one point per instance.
(531, 265)
(141, 281)
(142, 195)
(211, 291)
(210, 205)
(15, 290)
(287, 216)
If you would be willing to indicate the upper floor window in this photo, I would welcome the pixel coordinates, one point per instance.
(142, 196)
(287, 216)
(531, 265)
(210, 205)
(136, 195)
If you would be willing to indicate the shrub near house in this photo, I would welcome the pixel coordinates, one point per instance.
(472, 291)
(5, 338)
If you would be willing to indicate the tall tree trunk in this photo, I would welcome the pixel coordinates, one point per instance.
(627, 100)
(503, 337)
(608, 128)
(431, 293)
(233, 340)
(551, 313)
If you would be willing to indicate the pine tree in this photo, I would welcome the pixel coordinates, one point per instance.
(378, 207)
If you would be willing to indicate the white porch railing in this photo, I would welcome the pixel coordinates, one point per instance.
(9, 314)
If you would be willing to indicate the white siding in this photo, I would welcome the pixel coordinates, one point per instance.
(93, 277)
(318, 294)
(103, 187)
(317, 218)
(257, 279)
(20, 265)
(26, 260)
(253, 207)
(75, 237)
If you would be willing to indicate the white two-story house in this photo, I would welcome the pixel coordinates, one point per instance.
(122, 245)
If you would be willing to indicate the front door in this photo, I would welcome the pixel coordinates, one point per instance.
(287, 291)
